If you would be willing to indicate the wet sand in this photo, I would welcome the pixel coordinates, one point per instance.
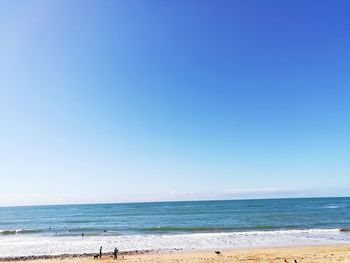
(322, 254)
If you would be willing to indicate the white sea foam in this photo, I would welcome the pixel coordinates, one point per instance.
(333, 206)
(16, 245)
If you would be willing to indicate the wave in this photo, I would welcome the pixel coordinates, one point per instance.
(88, 229)
(62, 232)
(19, 231)
(74, 221)
(56, 245)
(185, 229)
(163, 230)
(213, 229)
(334, 206)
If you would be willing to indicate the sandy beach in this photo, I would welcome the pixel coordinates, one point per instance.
(322, 254)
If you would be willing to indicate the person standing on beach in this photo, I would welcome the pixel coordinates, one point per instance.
(115, 253)
(101, 252)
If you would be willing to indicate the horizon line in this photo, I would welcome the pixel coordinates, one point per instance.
(174, 201)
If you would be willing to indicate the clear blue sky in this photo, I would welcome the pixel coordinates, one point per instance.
(108, 101)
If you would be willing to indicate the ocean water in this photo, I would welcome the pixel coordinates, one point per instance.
(43, 230)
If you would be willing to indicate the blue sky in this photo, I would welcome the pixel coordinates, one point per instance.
(109, 101)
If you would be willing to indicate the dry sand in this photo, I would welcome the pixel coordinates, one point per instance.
(322, 254)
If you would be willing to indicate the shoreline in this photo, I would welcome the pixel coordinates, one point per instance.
(300, 254)
(189, 255)
(35, 247)
(67, 256)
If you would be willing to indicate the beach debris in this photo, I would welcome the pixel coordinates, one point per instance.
(344, 229)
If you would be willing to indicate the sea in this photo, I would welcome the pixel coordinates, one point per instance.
(77, 229)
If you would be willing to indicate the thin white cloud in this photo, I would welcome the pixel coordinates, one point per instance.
(256, 190)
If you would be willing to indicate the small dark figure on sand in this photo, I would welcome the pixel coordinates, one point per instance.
(115, 253)
(101, 252)
(217, 252)
(82, 234)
